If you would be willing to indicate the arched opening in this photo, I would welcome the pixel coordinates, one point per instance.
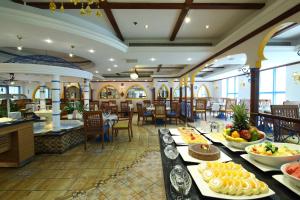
(36, 93)
(108, 92)
(203, 91)
(163, 92)
(72, 92)
(136, 92)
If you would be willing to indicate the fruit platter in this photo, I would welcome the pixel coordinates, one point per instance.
(274, 154)
(292, 172)
(240, 134)
(228, 181)
(190, 136)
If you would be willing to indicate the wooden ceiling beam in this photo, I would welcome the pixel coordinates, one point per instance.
(182, 15)
(168, 6)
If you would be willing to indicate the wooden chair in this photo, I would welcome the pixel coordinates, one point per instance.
(174, 113)
(285, 129)
(227, 110)
(113, 109)
(94, 105)
(93, 126)
(146, 103)
(112, 102)
(142, 112)
(123, 124)
(201, 107)
(124, 108)
(160, 112)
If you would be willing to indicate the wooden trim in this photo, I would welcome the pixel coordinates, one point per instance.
(288, 119)
(183, 13)
(254, 95)
(260, 29)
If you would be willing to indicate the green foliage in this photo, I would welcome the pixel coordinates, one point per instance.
(79, 106)
(69, 108)
(240, 117)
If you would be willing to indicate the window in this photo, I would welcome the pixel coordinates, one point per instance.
(135, 92)
(11, 89)
(224, 88)
(176, 94)
(163, 91)
(203, 91)
(272, 85)
(230, 87)
(3, 89)
(47, 94)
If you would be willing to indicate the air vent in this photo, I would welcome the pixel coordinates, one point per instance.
(131, 60)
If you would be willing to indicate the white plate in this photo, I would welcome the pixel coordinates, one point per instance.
(231, 148)
(179, 141)
(259, 165)
(184, 152)
(174, 131)
(208, 135)
(206, 191)
(201, 130)
(284, 181)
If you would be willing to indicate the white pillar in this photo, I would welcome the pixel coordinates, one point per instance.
(42, 96)
(86, 94)
(55, 84)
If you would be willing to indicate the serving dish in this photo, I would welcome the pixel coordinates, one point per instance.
(262, 167)
(284, 181)
(293, 179)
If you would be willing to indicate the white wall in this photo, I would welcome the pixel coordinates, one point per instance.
(244, 87)
(293, 88)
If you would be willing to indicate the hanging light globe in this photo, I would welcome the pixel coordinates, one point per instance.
(134, 76)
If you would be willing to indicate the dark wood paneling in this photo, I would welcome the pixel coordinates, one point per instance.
(254, 94)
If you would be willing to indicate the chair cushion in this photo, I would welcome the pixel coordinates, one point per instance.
(171, 113)
(148, 113)
(121, 124)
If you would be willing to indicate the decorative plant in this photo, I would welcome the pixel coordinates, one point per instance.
(79, 107)
(69, 108)
(240, 117)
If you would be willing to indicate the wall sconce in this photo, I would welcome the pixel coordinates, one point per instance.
(296, 77)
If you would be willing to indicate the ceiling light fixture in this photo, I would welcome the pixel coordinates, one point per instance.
(71, 52)
(49, 41)
(111, 59)
(189, 59)
(187, 20)
(216, 60)
(134, 75)
(20, 47)
(109, 69)
(207, 26)
(92, 51)
(96, 71)
(115, 65)
(206, 65)
(146, 26)
(153, 59)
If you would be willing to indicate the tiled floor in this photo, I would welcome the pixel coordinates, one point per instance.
(61, 176)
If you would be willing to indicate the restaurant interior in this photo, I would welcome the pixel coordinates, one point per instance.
(149, 99)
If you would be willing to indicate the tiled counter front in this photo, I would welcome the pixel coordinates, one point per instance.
(58, 142)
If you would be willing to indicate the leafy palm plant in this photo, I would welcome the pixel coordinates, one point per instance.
(69, 108)
(240, 117)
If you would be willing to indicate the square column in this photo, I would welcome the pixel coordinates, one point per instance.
(86, 94)
(42, 96)
(55, 87)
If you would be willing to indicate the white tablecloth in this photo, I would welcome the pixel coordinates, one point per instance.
(153, 108)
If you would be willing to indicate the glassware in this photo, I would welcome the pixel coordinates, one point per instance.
(171, 152)
(164, 131)
(168, 139)
(181, 181)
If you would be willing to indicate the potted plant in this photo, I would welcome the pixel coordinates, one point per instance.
(79, 108)
(69, 108)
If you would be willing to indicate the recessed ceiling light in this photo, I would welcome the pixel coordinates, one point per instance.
(49, 41)
(96, 71)
(146, 80)
(216, 60)
(20, 48)
(71, 55)
(207, 26)
(206, 65)
(92, 51)
(111, 59)
(187, 20)
(114, 80)
(153, 59)
(189, 59)
(146, 26)
(109, 69)
(228, 56)
(115, 65)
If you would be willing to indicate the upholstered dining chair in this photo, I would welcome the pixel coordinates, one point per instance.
(201, 107)
(160, 113)
(146, 103)
(227, 110)
(174, 113)
(123, 124)
(93, 126)
(142, 113)
(113, 109)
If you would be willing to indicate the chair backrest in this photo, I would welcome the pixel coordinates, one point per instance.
(112, 102)
(160, 109)
(92, 120)
(291, 111)
(104, 105)
(139, 108)
(229, 103)
(263, 103)
(201, 104)
(129, 101)
(147, 103)
(124, 106)
(174, 105)
(94, 105)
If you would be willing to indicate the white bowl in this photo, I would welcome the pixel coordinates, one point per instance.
(275, 161)
(243, 145)
(295, 181)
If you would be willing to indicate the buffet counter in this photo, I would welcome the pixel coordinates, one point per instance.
(281, 192)
(16, 142)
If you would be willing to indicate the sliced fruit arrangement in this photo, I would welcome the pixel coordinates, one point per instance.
(231, 178)
(271, 149)
(293, 169)
(190, 136)
(240, 130)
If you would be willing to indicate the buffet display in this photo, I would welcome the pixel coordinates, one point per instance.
(189, 136)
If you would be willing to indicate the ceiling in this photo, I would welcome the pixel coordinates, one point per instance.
(174, 44)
